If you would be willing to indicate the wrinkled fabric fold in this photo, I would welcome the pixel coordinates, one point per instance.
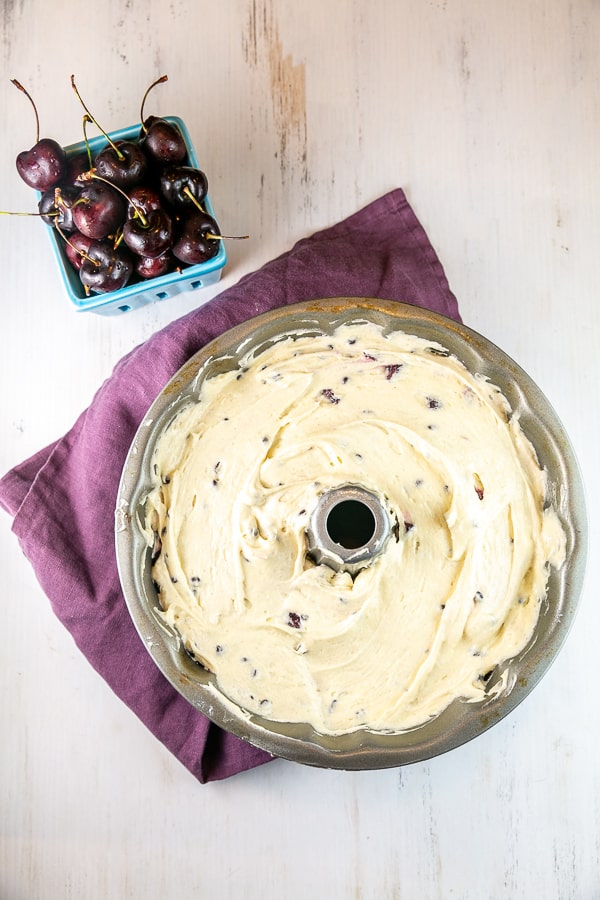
(62, 499)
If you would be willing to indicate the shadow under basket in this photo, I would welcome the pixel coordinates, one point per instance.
(144, 291)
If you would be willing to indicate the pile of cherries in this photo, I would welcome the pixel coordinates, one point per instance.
(133, 211)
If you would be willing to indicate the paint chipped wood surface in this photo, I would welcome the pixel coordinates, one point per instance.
(488, 114)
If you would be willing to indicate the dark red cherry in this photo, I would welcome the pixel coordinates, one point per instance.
(56, 207)
(198, 240)
(76, 165)
(183, 186)
(123, 163)
(147, 267)
(151, 235)
(143, 198)
(76, 245)
(43, 166)
(98, 211)
(46, 163)
(163, 141)
(106, 268)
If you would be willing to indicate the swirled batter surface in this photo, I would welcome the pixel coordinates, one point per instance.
(458, 587)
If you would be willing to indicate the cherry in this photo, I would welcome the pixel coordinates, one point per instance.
(76, 247)
(123, 163)
(76, 166)
(41, 167)
(98, 210)
(56, 207)
(199, 239)
(105, 268)
(45, 164)
(150, 235)
(162, 140)
(144, 198)
(183, 186)
(153, 267)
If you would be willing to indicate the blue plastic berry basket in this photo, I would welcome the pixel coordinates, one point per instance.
(151, 290)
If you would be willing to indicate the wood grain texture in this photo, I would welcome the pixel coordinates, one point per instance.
(488, 114)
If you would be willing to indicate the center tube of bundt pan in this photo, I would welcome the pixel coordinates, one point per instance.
(348, 528)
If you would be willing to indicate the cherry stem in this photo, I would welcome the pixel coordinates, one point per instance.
(59, 200)
(87, 119)
(227, 237)
(160, 80)
(18, 85)
(7, 212)
(194, 200)
(137, 212)
(214, 237)
(120, 155)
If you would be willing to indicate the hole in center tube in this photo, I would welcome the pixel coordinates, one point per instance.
(351, 524)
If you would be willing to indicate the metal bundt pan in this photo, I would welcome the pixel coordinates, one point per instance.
(362, 749)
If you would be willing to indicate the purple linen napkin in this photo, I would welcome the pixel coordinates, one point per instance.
(63, 498)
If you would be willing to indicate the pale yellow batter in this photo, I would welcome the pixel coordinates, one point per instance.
(458, 587)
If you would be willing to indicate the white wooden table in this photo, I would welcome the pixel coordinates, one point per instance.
(488, 114)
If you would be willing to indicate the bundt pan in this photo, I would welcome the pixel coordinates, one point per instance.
(361, 749)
